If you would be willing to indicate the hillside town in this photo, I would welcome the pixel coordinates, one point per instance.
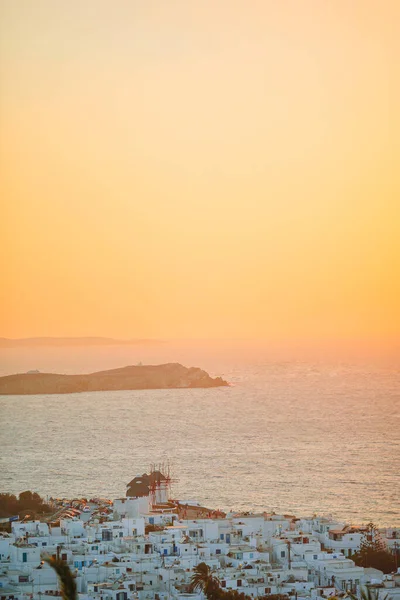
(146, 546)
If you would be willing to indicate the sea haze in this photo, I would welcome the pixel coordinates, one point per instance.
(296, 437)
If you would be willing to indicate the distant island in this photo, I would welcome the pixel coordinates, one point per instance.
(141, 377)
(71, 341)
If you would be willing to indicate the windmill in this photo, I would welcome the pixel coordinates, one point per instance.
(160, 483)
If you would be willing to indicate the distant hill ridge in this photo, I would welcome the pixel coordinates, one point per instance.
(170, 375)
(71, 341)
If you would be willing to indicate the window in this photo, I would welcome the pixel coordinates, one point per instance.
(218, 551)
(251, 555)
(223, 583)
(239, 583)
(315, 556)
(24, 557)
(283, 554)
(221, 536)
(267, 590)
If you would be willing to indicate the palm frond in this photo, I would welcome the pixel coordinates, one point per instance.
(203, 579)
(68, 584)
(367, 594)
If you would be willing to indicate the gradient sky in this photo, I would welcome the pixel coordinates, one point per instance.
(200, 168)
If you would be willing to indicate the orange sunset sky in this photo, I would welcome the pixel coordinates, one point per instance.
(200, 168)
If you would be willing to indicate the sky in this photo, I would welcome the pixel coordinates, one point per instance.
(200, 169)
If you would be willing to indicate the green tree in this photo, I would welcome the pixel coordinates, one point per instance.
(8, 505)
(373, 552)
(27, 501)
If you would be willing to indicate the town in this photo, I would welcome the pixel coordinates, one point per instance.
(146, 546)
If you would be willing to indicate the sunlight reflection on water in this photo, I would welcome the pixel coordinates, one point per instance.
(290, 437)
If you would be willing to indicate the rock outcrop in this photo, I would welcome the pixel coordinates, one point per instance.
(171, 375)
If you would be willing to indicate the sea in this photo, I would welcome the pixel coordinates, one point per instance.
(299, 437)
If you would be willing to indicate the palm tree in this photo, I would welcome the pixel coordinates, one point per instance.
(204, 579)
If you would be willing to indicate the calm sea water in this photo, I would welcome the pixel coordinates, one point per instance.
(294, 437)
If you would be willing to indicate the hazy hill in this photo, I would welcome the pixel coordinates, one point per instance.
(171, 375)
(70, 341)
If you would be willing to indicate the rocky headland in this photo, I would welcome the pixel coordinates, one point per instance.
(141, 377)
